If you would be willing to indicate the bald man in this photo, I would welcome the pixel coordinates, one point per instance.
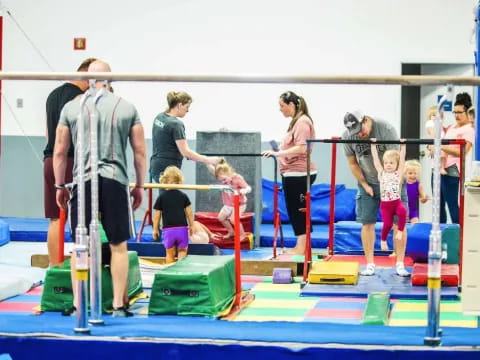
(118, 125)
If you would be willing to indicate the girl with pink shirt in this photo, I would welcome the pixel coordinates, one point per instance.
(292, 157)
(226, 175)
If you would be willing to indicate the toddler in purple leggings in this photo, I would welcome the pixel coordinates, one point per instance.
(173, 207)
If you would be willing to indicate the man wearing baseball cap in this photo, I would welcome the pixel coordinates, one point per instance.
(362, 127)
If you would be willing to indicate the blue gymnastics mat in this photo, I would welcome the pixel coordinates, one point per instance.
(384, 280)
(319, 235)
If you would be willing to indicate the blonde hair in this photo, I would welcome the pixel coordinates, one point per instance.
(177, 97)
(171, 175)
(392, 154)
(432, 111)
(223, 167)
(413, 164)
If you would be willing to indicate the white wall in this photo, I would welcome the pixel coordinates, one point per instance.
(250, 36)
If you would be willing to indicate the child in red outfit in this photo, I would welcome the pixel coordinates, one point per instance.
(390, 176)
(226, 175)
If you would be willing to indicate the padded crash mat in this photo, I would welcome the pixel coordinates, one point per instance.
(384, 280)
(449, 274)
(334, 272)
(195, 285)
(57, 289)
(210, 220)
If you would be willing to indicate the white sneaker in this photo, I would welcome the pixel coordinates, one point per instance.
(369, 270)
(401, 271)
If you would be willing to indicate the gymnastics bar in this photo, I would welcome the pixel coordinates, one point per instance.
(236, 212)
(277, 224)
(336, 140)
(404, 80)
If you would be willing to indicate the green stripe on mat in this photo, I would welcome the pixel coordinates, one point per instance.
(273, 312)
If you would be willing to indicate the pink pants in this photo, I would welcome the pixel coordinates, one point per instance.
(389, 209)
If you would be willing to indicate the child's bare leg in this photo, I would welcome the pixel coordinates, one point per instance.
(242, 230)
(398, 236)
(223, 218)
(170, 255)
(182, 252)
(414, 220)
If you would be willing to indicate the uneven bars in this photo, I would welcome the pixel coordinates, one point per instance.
(405, 80)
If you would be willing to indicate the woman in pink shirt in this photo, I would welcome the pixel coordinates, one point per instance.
(450, 182)
(292, 157)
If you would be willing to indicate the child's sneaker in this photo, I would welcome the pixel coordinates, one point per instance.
(369, 270)
(121, 312)
(401, 271)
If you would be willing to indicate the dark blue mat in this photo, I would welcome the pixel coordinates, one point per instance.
(319, 236)
(384, 280)
(186, 327)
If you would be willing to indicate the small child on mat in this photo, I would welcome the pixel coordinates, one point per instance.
(415, 191)
(226, 175)
(390, 175)
(173, 207)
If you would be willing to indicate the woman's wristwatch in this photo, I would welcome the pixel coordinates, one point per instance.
(60, 187)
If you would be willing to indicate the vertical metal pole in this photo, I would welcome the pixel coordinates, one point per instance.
(462, 205)
(81, 238)
(95, 242)
(238, 276)
(308, 240)
(333, 175)
(435, 247)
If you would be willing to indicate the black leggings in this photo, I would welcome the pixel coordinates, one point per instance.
(294, 189)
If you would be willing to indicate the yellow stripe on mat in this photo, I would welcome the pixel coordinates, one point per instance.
(423, 307)
(444, 323)
(291, 304)
(268, 318)
(276, 287)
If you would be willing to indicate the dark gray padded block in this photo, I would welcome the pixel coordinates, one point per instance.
(226, 142)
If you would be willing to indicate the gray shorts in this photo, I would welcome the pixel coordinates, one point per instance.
(367, 206)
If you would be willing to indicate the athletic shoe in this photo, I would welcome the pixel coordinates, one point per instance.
(121, 312)
(369, 270)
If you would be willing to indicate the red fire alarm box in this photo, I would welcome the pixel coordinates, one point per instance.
(79, 43)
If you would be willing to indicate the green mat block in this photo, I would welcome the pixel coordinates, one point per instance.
(451, 237)
(377, 308)
(195, 285)
(57, 287)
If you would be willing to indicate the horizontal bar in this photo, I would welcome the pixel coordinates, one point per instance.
(183, 186)
(406, 80)
(223, 154)
(407, 141)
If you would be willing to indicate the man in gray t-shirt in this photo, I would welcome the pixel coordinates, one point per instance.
(118, 126)
(360, 161)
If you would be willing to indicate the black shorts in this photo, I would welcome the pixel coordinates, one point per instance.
(115, 210)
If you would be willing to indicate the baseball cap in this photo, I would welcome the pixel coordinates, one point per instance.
(353, 121)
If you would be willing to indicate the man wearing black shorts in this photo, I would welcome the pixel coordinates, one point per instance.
(118, 125)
